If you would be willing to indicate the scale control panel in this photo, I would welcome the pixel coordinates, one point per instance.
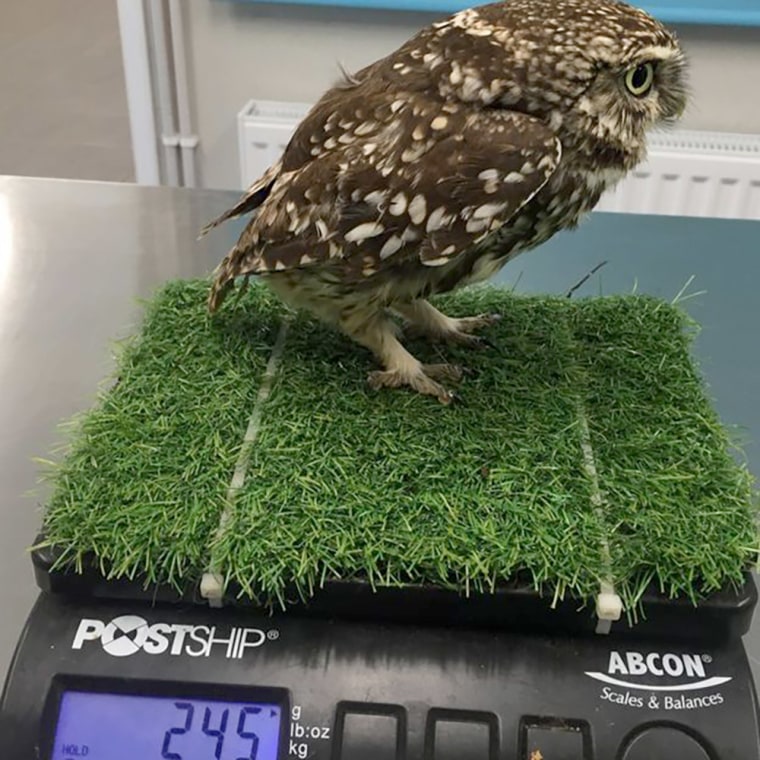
(119, 682)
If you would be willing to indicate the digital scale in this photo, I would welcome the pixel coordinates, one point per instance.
(117, 669)
(104, 671)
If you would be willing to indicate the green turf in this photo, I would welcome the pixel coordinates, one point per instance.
(584, 450)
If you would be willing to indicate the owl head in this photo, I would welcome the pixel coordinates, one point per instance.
(600, 72)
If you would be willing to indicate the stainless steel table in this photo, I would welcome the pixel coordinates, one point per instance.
(75, 256)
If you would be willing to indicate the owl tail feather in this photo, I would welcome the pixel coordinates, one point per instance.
(250, 200)
(217, 295)
(246, 205)
(224, 279)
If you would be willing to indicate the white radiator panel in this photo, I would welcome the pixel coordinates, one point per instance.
(687, 173)
(264, 129)
(693, 174)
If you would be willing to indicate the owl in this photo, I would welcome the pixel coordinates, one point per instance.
(428, 170)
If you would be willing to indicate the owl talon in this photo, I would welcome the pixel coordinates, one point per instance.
(473, 324)
(489, 344)
(466, 326)
(471, 341)
(417, 381)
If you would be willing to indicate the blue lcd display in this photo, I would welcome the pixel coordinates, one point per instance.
(123, 727)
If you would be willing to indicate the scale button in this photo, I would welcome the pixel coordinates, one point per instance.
(456, 734)
(370, 732)
(555, 739)
(651, 742)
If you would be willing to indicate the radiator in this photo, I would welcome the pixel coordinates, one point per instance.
(693, 174)
(687, 173)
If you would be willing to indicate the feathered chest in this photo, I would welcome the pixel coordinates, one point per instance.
(561, 204)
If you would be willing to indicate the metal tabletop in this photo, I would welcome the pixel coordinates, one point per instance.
(76, 256)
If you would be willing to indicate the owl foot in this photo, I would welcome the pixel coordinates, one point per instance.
(473, 324)
(460, 332)
(423, 319)
(401, 369)
(420, 381)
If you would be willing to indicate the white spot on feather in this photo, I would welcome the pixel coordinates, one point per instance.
(376, 197)
(365, 128)
(514, 177)
(480, 31)
(391, 245)
(417, 209)
(439, 122)
(488, 210)
(471, 87)
(398, 204)
(364, 231)
(440, 261)
(435, 220)
(412, 154)
(465, 18)
(410, 234)
(477, 225)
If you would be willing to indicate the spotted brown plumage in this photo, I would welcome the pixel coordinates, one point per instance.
(477, 139)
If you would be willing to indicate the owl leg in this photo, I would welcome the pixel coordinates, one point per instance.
(378, 333)
(424, 318)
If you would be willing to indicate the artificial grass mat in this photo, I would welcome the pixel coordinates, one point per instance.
(585, 451)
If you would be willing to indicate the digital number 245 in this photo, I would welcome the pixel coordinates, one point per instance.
(214, 733)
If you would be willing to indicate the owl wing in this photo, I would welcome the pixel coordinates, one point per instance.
(424, 187)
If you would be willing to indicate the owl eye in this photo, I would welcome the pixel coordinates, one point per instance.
(639, 79)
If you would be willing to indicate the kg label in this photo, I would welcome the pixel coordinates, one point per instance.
(128, 634)
(302, 735)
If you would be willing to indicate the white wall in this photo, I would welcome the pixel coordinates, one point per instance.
(285, 52)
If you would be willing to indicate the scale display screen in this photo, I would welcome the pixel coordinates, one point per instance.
(99, 726)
